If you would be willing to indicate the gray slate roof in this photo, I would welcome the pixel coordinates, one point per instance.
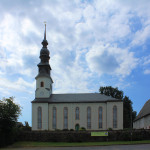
(144, 111)
(75, 98)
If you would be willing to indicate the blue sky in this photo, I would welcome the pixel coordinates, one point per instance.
(92, 43)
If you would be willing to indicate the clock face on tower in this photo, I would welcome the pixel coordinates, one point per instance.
(41, 93)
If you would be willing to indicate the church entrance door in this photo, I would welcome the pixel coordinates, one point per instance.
(77, 127)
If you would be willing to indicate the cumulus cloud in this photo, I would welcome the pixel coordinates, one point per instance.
(19, 85)
(141, 36)
(68, 73)
(107, 59)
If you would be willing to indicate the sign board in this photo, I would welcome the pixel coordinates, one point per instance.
(99, 133)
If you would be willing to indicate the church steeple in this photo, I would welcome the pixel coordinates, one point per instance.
(43, 79)
(44, 66)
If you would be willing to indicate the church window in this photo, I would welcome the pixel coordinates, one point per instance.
(115, 117)
(39, 118)
(54, 118)
(89, 118)
(77, 113)
(100, 117)
(42, 84)
(65, 118)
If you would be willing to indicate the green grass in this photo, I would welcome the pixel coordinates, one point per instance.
(61, 144)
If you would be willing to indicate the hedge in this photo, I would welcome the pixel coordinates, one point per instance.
(82, 136)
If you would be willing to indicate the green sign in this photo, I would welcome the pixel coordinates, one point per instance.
(99, 133)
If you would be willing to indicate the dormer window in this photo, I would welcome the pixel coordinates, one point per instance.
(42, 84)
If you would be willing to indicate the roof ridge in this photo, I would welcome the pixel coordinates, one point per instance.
(77, 93)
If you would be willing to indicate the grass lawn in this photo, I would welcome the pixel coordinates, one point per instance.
(59, 144)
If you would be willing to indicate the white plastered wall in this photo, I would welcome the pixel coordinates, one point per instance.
(44, 107)
(110, 106)
(107, 116)
(142, 123)
(47, 83)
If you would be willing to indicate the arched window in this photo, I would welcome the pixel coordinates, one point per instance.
(115, 117)
(77, 113)
(65, 118)
(100, 117)
(39, 117)
(89, 118)
(54, 118)
(42, 84)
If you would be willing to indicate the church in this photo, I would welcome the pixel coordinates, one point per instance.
(92, 111)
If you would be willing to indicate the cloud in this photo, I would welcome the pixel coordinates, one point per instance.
(141, 36)
(68, 73)
(145, 64)
(146, 60)
(147, 71)
(107, 59)
(20, 84)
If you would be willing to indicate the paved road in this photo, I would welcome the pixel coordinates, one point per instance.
(116, 147)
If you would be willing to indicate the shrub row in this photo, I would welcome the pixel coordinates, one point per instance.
(82, 136)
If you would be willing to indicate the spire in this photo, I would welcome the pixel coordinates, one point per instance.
(44, 42)
(45, 32)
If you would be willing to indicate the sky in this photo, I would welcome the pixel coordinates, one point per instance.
(92, 43)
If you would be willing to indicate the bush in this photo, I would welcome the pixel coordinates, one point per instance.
(57, 130)
(65, 130)
(110, 129)
(51, 136)
(82, 129)
(71, 129)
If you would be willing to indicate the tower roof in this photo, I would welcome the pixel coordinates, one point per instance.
(44, 66)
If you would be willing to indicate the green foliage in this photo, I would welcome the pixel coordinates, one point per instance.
(24, 127)
(84, 136)
(65, 130)
(110, 91)
(58, 130)
(27, 127)
(71, 129)
(110, 129)
(82, 129)
(9, 113)
(128, 114)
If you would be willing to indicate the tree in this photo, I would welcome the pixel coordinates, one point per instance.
(128, 114)
(9, 113)
(110, 91)
(27, 127)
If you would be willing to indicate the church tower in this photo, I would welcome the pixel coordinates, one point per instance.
(43, 79)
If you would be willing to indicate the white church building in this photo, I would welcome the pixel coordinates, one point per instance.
(92, 111)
